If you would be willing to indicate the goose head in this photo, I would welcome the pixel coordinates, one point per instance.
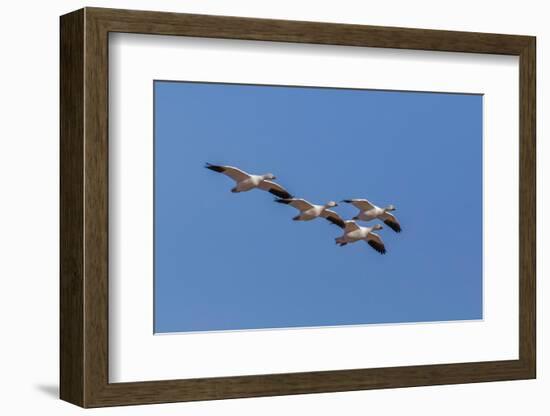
(269, 176)
(331, 204)
(377, 227)
(390, 208)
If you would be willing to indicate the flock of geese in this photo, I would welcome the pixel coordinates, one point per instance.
(308, 211)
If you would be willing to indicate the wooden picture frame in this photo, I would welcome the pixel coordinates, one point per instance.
(84, 207)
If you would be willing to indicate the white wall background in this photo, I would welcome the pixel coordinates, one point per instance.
(29, 206)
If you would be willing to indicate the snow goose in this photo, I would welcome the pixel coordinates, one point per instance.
(369, 211)
(246, 182)
(309, 211)
(354, 232)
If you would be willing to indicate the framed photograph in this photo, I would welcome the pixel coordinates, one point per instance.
(257, 207)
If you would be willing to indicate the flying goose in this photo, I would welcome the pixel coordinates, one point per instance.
(246, 182)
(309, 211)
(369, 211)
(354, 232)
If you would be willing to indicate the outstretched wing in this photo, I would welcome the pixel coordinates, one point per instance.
(300, 204)
(333, 217)
(350, 226)
(234, 173)
(391, 222)
(362, 204)
(275, 189)
(376, 243)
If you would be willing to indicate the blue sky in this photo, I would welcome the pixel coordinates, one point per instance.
(227, 261)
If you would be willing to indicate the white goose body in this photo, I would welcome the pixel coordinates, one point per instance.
(309, 211)
(371, 214)
(312, 213)
(368, 212)
(246, 182)
(354, 232)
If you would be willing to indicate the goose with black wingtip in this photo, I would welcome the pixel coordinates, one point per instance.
(368, 211)
(309, 211)
(354, 232)
(246, 181)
